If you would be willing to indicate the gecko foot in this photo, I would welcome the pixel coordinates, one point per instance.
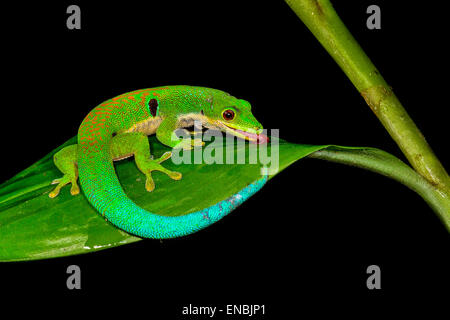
(74, 189)
(149, 165)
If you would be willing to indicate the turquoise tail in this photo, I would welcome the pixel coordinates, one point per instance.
(105, 193)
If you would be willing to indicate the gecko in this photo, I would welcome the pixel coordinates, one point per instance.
(118, 128)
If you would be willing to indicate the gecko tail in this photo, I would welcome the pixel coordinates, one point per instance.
(105, 193)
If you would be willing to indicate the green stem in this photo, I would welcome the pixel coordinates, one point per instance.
(386, 164)
(323, 21)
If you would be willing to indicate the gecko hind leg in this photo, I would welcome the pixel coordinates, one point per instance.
(136, 144)
(66, 161)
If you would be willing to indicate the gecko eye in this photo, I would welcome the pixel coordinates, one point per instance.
(228, 114)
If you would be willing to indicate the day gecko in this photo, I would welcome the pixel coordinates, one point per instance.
(118, 129)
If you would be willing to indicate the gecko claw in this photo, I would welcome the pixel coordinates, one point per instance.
(53, 194)
(149, 184)
(175, 175)
(74, 190)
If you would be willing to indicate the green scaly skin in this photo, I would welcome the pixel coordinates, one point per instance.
(118, 128)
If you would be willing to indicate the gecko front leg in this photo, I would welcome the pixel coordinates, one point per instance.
(135, 143)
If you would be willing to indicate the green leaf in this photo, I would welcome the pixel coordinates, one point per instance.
(33, 226)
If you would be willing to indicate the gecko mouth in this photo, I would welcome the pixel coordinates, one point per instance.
(250, 136)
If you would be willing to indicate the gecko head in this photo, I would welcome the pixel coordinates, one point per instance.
(234, 116)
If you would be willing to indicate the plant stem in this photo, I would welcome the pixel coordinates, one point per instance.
(323, 21)
(383, 163)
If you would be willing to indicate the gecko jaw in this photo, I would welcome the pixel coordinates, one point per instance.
(253, 137)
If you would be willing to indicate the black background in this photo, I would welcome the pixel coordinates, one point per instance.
(303, 243)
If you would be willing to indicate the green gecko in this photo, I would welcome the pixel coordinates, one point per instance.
(118, 128)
